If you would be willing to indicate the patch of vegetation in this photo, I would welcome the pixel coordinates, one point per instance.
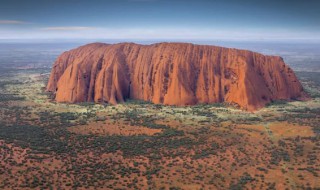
(35, 138)
(135, 118)
(279, 155)
(243, 180)
(10, 97)
(277, 103)
(4, 84)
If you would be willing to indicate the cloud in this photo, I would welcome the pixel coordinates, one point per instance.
(163, 34)
(12, 22)
(68, 28)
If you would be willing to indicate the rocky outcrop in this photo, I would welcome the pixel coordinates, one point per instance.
(172, 74)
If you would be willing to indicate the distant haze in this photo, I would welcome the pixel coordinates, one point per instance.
(262, 20)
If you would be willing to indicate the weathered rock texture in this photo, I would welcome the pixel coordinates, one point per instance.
(173, 74)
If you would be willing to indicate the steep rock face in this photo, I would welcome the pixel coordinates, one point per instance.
(172, 74)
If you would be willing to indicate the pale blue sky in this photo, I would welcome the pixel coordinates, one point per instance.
(160, 19)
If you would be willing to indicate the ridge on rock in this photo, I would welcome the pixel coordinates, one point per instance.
(171, 74)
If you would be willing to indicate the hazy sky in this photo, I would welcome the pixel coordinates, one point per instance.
(160, 19)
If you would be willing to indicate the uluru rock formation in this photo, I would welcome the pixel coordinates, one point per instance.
(172, 74)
